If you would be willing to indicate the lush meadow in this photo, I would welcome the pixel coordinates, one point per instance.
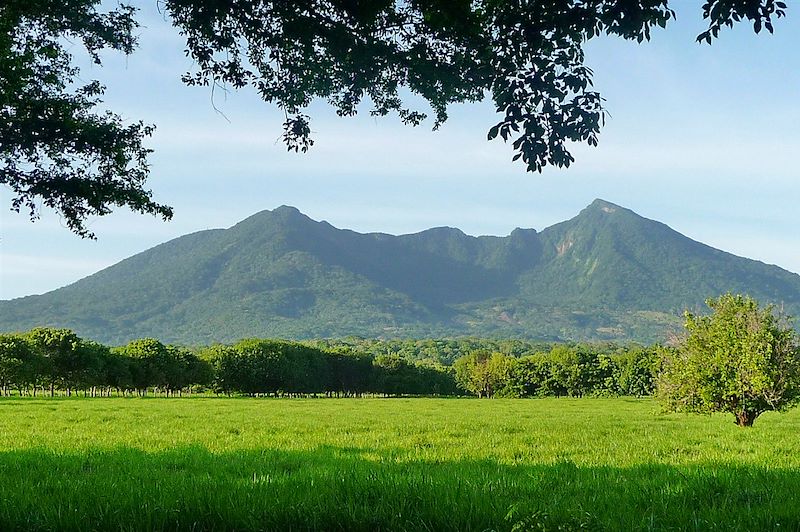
(404, 464)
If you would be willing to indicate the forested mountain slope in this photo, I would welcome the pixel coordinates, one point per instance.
(608, 273)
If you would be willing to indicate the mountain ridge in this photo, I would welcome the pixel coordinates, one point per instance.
(605, 274)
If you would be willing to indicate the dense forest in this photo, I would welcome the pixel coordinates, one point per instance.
(45, 361)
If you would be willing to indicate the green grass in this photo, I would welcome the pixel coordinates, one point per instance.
(400, 464)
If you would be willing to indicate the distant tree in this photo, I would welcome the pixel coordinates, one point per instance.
(636, 371)
(67, 359)
(96, 356)
(395, 375)
(57, 148)
(350, 372)
(580, 370)
(483, 373)
(304, 369)
(150, 364)
(743, 359)
(530, 376)
(199, 372)
(179, 367)
(118, 371)
(436, 378)
(227, 365)
(17, 362)
(256, 366)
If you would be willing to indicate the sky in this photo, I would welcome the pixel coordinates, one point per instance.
(703, 138)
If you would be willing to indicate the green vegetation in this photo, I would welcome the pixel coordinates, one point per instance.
(61, 149)
(58, 147)
(399, 464)
(58, 361)
(366, 463)
(606, 275)
(743, 359)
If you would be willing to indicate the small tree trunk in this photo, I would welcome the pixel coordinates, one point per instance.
(745, 418)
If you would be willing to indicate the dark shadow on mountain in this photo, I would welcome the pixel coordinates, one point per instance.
(435, 267)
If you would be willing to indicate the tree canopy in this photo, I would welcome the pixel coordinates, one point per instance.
(58, 148)
(60, 360)
(743, 359)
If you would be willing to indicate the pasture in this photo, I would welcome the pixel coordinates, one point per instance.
(207, 463)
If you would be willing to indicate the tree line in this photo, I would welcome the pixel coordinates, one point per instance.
(57, 361)
(564, 371)
(743, 358)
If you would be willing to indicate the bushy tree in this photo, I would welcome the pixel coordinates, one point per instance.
(350, 372)
(68, 360)
(636, 371)
(578, 371)
(483, 373)
(149, 363)
(395, 375)
(531, 376)
(228, 367)
(742, 358)
(118, 371)
(19, 363)
(436, 378)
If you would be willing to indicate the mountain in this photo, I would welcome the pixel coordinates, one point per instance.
(607, 274)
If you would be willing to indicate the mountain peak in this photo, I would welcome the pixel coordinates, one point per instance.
(286, 209)
(288, 213)
(604, 206)
(284, 213)
(606, 273)
(443, 231)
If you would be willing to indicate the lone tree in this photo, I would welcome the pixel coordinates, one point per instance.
(743, 359)
(526, 55)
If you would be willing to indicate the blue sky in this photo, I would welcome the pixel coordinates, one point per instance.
(703, 138)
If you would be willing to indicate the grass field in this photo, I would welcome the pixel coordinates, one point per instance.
(400, 464)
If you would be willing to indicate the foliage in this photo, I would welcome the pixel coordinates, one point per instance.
(68, 362)
(152, 364)
(19, 364)
(60, 360)
(256, 366)
(743, 359)
(526, 56)
(637, 369)
(483, 373)
(56, 148)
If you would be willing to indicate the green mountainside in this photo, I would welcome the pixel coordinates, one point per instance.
(607, 274)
